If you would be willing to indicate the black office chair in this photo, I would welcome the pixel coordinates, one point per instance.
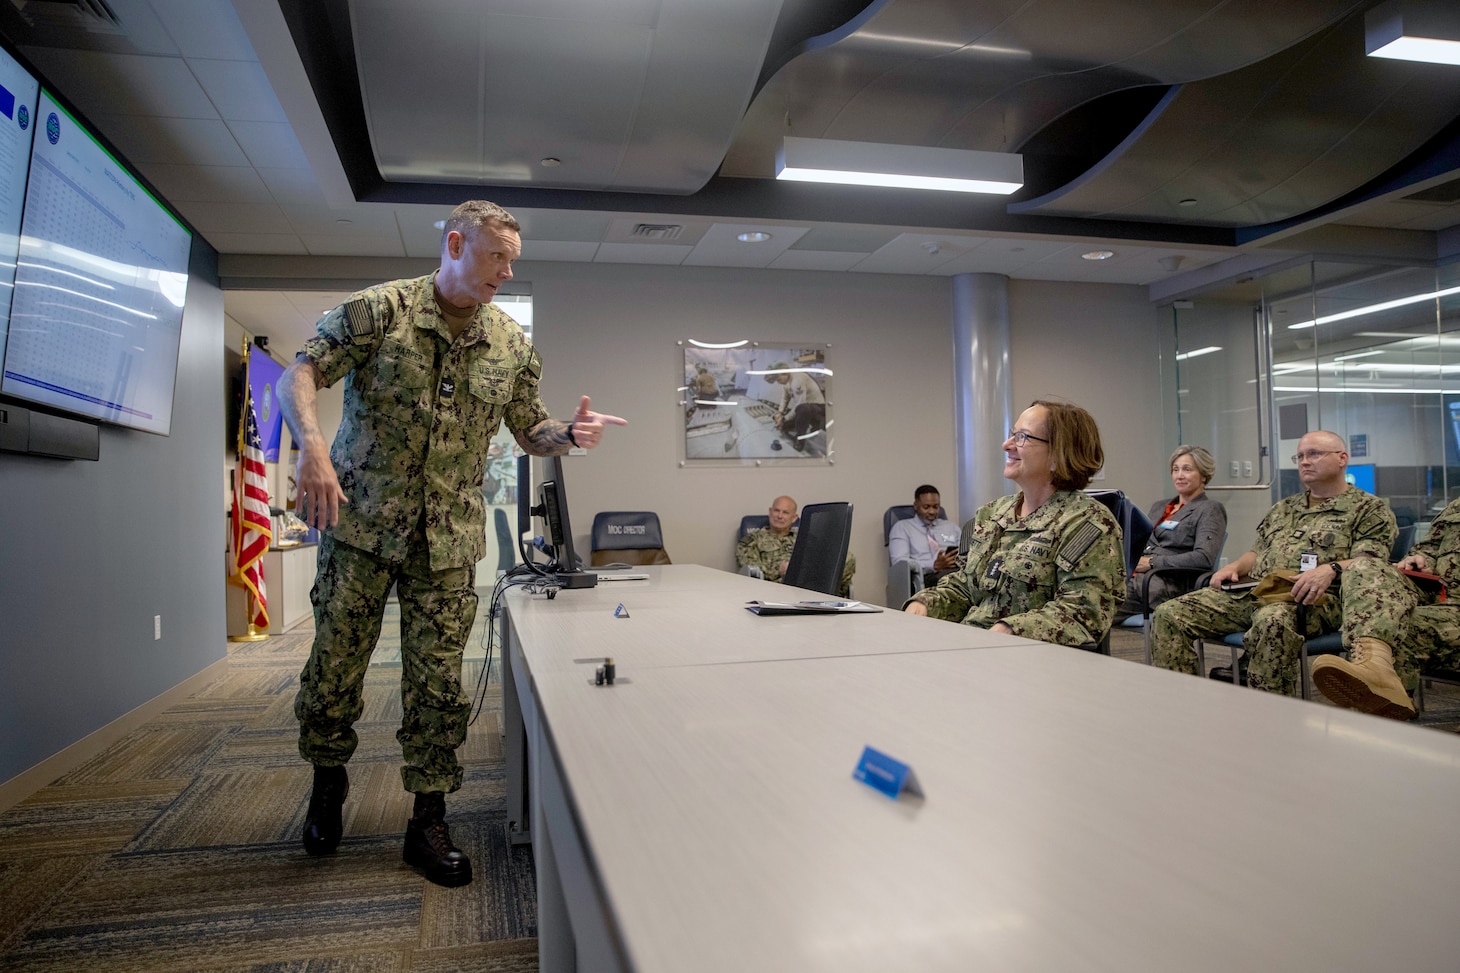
(751, 522)
(506, 546)
(904, 578)
(627, 537)
(1135, 531)
(820, 553)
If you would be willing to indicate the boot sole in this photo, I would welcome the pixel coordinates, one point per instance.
(1353, 693)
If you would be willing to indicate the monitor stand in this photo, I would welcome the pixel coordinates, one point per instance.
(577, 579)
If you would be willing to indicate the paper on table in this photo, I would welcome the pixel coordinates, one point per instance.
(809, 607)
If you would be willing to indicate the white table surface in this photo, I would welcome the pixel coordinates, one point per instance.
(1081, 813)
(692, 615)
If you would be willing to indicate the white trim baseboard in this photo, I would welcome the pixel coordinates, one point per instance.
(27, 782)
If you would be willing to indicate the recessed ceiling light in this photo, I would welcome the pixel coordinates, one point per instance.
(753, 236)
(1098, 255)
(439, 224)
(1187, 202)
(550, 163)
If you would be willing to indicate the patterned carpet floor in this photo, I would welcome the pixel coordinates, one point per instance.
(178, 847)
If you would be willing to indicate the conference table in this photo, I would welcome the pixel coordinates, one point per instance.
(1074, 811)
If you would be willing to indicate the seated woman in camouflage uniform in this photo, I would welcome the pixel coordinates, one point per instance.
(1046, 562)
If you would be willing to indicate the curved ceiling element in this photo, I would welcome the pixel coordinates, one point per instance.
(627, 95)
(1244, 149)
(990, 75)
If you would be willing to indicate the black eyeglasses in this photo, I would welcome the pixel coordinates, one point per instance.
(1020, 437)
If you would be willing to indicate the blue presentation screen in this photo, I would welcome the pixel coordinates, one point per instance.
(18, 91)
(100, 285)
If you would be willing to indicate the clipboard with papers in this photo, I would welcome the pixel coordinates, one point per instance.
(810, 607)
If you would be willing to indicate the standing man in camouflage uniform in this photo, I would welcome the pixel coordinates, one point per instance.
(434, 368)
(1323, 532)
(1045, 563)
(766, 551)
(1402, 616)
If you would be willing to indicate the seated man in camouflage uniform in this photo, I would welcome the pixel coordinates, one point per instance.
(1329, 532)
(766, 551)
(1409, 619)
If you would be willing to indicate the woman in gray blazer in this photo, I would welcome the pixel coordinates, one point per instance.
(1188, 533)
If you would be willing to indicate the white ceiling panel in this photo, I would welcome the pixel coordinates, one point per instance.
(213, 184)
(720, 248)
(641, 253)
(205, 28)
(816, 260)
(353, 244)
(145, 139)
(269, 145)
(239, 90)
(558, 250)
(128, 84)
(213, 218)
(285, 244)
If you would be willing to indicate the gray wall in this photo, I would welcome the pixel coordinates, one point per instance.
(611, 332)
(90, 552)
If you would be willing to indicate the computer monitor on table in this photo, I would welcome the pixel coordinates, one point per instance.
(560, 529)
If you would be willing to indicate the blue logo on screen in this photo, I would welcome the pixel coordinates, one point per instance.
(23, 116)
(53, 128)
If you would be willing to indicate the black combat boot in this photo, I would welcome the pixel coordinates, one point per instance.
(324, 824)
(429, 847)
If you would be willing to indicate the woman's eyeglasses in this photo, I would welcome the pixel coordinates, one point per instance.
(1019, 437)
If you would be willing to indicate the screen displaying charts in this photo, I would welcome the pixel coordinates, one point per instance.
(18, 91)
(100, 284)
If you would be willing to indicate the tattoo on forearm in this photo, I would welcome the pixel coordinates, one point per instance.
(547, 438)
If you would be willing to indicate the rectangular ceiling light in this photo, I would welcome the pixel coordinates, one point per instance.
(899, 166)
(1414, 30)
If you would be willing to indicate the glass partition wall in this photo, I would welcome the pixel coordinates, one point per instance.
(1369, 352)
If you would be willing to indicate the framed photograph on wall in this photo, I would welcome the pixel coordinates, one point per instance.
(753, 401)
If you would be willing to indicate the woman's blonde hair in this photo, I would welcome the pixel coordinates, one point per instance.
(1074, 444)
(1205, 464)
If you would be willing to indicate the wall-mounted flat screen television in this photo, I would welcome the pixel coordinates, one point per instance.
(100, 284)
(18, 92)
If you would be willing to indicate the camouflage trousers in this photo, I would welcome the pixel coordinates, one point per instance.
(437, 610)
(1372, 603)
(1429, 636)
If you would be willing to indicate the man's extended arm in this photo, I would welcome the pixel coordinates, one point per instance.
(320, 495)
(551, 437)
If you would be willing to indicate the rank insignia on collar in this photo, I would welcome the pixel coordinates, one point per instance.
(448, 388)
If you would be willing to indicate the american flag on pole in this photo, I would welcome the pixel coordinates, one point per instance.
(252, 526)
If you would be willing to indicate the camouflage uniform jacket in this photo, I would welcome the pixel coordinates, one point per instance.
(420, 411)
(1056, 575)
(1352, 524)
(766, 549)
(1441, 547)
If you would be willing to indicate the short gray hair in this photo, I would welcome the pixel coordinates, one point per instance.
(1205, 464)
(474, 213)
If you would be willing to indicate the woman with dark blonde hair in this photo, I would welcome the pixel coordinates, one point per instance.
(1187, 535)
(1046, 562)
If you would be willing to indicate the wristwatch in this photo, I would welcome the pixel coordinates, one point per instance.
(1337, 570)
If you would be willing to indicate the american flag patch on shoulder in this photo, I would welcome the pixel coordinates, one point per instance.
(357, 315)
(1078, 543)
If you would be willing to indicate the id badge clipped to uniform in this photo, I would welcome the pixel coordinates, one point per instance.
(1307, 561)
